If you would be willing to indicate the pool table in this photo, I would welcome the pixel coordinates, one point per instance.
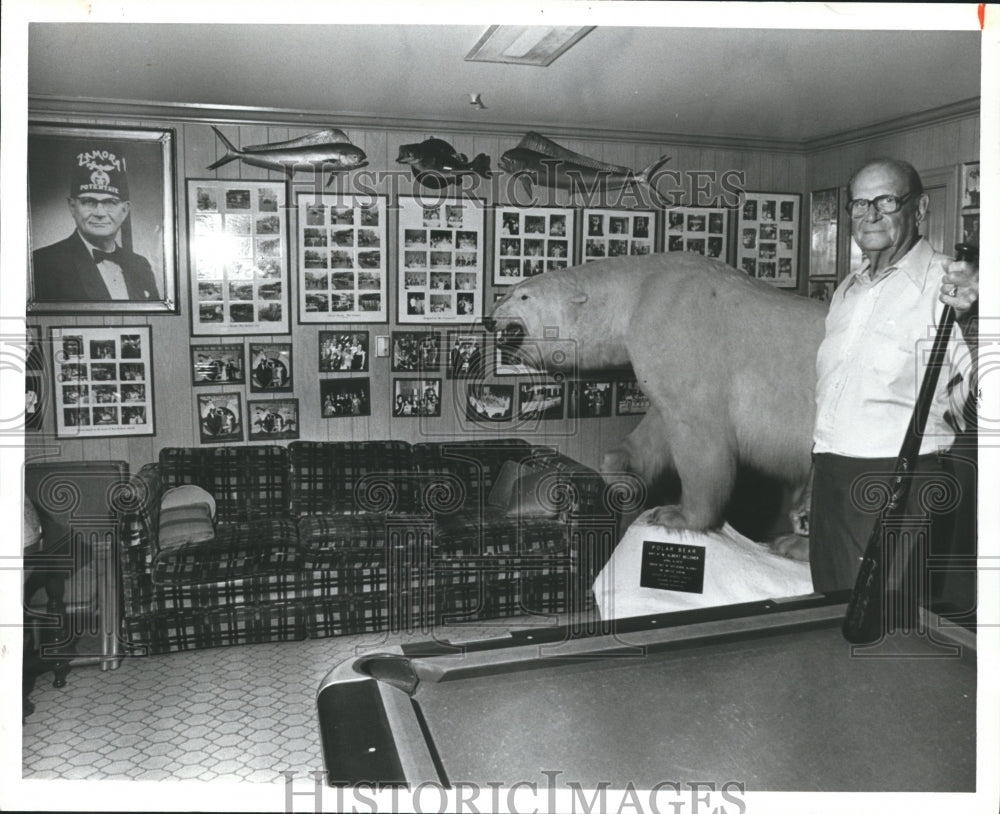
(768, 694)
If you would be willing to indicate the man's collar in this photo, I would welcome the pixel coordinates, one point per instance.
(913, 265)
(91, 247)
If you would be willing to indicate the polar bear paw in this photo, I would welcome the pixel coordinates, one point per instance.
(672, 517)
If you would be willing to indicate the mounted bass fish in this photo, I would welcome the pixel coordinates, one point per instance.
(323, 150)
(435, 163)
(539, 160)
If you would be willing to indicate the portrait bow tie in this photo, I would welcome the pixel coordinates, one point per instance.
(114, 256)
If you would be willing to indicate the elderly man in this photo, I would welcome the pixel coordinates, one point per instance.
(871, 362)
(89, 265)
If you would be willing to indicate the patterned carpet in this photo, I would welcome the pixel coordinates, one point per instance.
(242, 713)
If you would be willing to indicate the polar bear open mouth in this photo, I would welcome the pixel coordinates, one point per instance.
(511, 333)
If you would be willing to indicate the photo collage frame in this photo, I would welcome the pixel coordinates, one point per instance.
(702, 230)
(618, 233)
(238, 257)
(824, 218)
(767, 242)
(528, 242)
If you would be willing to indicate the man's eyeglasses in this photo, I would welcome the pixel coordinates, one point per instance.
(90, 204)
(886, 204)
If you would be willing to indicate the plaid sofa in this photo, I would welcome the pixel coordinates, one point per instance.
(331, 538)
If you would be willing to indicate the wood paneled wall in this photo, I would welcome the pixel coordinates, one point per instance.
(585, 439)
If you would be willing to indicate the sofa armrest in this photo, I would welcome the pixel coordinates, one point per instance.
(139, 532)
(583, 494)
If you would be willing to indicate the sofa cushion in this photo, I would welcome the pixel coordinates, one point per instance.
(503, 485)
(239, 550)
(248, 483)
(185, 523)
(493, 532)
(476, 464)
(531, 495)
(358, 540)
(353, 477)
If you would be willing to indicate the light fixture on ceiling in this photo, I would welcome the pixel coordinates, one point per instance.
(537, 45)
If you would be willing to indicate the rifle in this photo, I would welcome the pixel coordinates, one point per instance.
(864, 620)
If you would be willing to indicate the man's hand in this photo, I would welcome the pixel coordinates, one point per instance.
(960, 286)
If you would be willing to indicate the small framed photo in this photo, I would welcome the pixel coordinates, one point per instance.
(220, 417)
(274, 419)
(102, 381)
(824, 211)
(540, 401)
(343, 351)
(489, 403)
(617, 233)
(465, 354)
(528, 242)
(822, 288)
(271, 367)
(440, 259)
(590, 399)
(416, 398)
(970, 185)
(217, 364)
(767, 245)
(238, 257)
(343, 258)
(629, 398)
(970, 227)
(702, 230)
(35, 395)
(416, 351)
(345, 398)
(123, 261)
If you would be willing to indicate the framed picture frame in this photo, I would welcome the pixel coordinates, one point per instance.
(273, 419)
(103, 381)
(465, 354)
(591, 399)
(440, 260)
(824, 215)
(343, 351)
(416, 351)
(530, 241)
(345, 398)
(629, 398)
(416, 398)
(104, 188)
(822, 288)
(969, 193)
(618, 233)
(217, 365)
(541, 401)
(342, 242)
(35, 395)
(237, 257)
(489, 403)
(698, 229)
(271, 367)
(767, 244)
(220, 417)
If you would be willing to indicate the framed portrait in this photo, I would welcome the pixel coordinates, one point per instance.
(440, 259)
(541, 401)
(238, 257)
(617, 233)
(530, 241)
(702, 230)
(343, 351)
(345, 398)
(822, 288)
(824, 211)
(343, 263)
(590, 399)
(102, 381)
(101, 220)
(489, 403)
(271, 367)
(970, 227)
(35, 396)
(629, 398)
(414, 398)
(416, 351)
(767, 242)
(217, 364)
(273, 419)
(970, 186)
(220, 417)
(465, 354)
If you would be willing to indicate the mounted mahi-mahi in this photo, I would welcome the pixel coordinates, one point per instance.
(329, 149)
(539, 160)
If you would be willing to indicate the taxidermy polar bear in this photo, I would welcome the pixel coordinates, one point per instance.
(727, 362)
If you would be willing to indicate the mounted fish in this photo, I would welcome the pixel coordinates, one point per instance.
(435, 163)
(539, 160)
(329, 149)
